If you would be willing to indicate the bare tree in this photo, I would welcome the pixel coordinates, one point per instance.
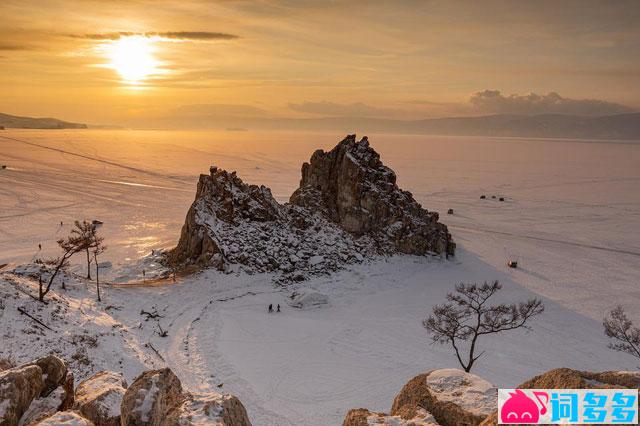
(71, 245)
(86, 232)
(467, 316)
(626, 337)
(98, 249)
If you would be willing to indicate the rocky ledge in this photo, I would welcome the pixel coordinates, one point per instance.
(42, 393)
(451, 397)
(348, 208)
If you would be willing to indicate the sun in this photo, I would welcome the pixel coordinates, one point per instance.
(133, 58)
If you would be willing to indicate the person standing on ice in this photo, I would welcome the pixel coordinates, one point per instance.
(39, 246)
(270, 307)
(278, 308)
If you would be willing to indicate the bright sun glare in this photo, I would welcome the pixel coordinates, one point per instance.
(132, 58)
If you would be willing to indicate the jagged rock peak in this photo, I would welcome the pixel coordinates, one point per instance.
(348, 208)
(231, 199)
(352, 187)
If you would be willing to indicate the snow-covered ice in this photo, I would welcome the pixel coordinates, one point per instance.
(570, 217)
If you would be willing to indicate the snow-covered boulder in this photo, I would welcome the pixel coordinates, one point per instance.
(364, 417)
(208, 409)
(308, 300)
(18, 388)
(99, 397)
(65, 418)
(150, 398)
(452, 396)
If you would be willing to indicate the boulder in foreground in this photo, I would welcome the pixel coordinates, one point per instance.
(99, 398)
(450, 395)
(155, 398)
(150, 398)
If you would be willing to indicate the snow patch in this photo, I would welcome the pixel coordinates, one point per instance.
(469, 391)
(308, 300)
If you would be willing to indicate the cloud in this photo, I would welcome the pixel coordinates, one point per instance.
(358, 109)
(193, 35)
(494, 102)
(169, 35)
(15, 47)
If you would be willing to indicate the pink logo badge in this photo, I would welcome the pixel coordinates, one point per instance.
(519, 408)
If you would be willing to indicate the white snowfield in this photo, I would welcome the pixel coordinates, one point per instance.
(569, 218)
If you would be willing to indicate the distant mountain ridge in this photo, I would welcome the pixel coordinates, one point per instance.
(16, 122)
(619, 126)
(624, 126)
(608, 127)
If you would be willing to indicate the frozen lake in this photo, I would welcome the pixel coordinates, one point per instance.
(571, 213)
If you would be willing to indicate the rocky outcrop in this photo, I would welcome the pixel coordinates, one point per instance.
(150, 398)
(99, 397)
(221, 199)
(35, 391)
(351, 186)
(348, 208)
(451, 396)
(447, 397)
(18, 388)
(156, 397)
(232, 225)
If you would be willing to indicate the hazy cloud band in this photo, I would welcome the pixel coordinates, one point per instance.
(172, 35)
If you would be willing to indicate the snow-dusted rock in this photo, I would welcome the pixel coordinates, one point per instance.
(18, 388)
(65, 418)
(308, 299)
(54, 371)
(99, 397)
(44, 407)
(452, 396)
(150, 398)
(221, 198)
(364, 417)
(208, 409)
(353, 188)
(348, 208)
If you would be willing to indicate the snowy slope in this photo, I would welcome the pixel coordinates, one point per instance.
(569, 217)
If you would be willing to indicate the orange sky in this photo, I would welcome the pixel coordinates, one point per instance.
(300, 58)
